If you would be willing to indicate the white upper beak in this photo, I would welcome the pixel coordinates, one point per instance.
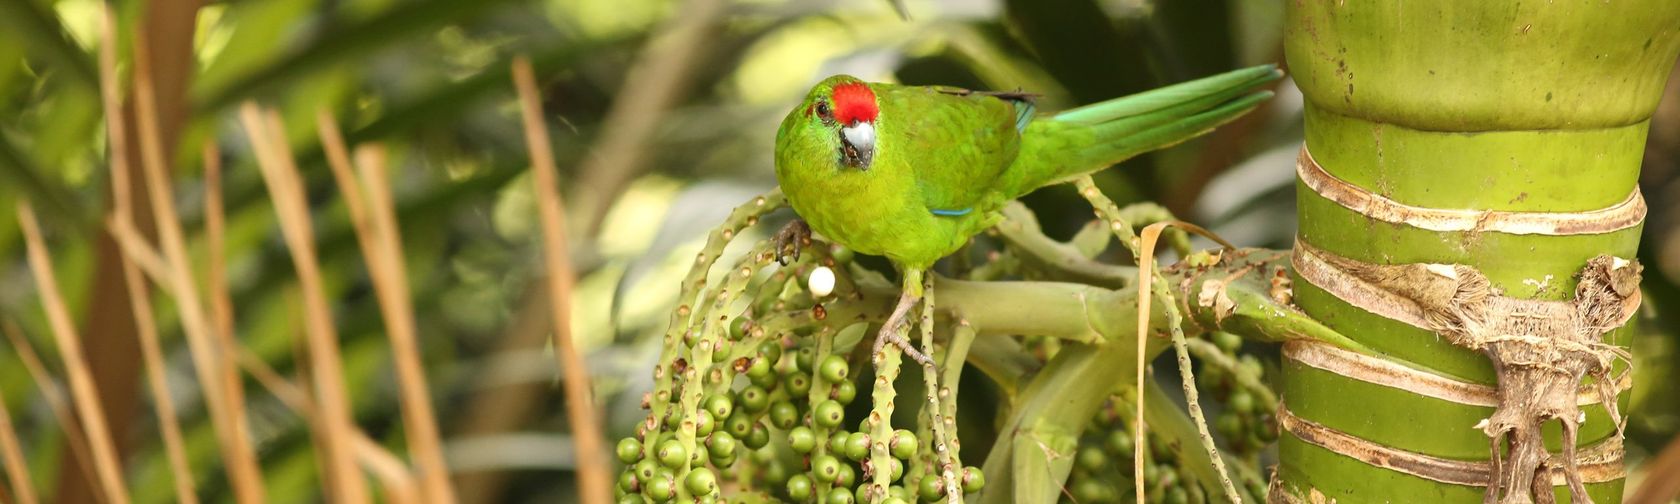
(860, 134)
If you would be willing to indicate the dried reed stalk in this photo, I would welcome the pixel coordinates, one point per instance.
(344, 481)
(594, 484)
(226, 417)
(375, 225)
(139, 296)
(82, 391)
(53, 394)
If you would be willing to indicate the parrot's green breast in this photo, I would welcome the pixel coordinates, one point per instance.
(929, 187)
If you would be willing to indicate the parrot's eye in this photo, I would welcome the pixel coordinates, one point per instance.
(823, 112)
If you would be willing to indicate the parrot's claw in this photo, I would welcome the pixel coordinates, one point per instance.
(890, 332)
(793, 238)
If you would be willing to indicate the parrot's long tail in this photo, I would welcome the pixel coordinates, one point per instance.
(1093, 137)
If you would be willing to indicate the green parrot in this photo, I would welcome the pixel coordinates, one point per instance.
(912, 172)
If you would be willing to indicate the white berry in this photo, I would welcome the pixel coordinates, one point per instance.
(821, 282)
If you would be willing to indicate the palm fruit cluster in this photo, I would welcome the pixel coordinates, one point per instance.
(752, 399)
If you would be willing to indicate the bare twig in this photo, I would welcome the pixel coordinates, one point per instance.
(221, 303)
(139, 297)
(54, 395)
(392, 474)
(390, 470)
(1150, 283)
(345, 482)
(376, 231)
(654, 82)
(226, 417)
(11, 453)
(595, 484)
(82, 391)
(942, 438)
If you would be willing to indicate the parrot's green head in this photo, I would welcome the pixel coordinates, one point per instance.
(838, 118)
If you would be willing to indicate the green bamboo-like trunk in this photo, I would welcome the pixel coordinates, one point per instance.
(1517, 106)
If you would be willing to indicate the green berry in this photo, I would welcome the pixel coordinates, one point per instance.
(771, 351)
(646, 469)
(1178, 495)
(739, 426)
(1229, 425)
(760, 371)
(1211, 377)
(930, 489)
(1241, 401)
(1250, 365)
(1119, 443)
(723, 462)
(1169, 475)
(721, 352)
(798, 385)
(895, 469)
(759, 437)
(857, 446)
(1091, 458)
(721, 445)
(629, 450)
(737, 328)
(1092, 491)
(844, 392)
(803, 357)
(701, 481)
(719, 405)
(799, 487)
(903, 444)
(837, 442)
(775, 472)
(754, 399)
(1227, 341)
(661, 488)
(833, 369)
(672, 454)
(627, 482)
(829, 414)
(783, 414)
(802, 439)
(1164, 452)
(825, 468)
(840, 497)
(841, 254)
(704, 423)
(973, 479)
(1266, 427)
(847, 476)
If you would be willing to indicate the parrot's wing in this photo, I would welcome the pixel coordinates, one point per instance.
(958, 142)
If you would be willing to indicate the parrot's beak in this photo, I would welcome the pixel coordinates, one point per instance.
(857, 144)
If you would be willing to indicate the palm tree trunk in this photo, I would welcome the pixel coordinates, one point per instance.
(1468, 208)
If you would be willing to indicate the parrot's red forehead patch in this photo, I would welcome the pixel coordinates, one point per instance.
(853, 101)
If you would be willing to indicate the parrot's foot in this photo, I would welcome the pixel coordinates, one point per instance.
(893, 331)
(793, 237)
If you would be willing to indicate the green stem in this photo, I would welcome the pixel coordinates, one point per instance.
(1123, 231)
(940, 445)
